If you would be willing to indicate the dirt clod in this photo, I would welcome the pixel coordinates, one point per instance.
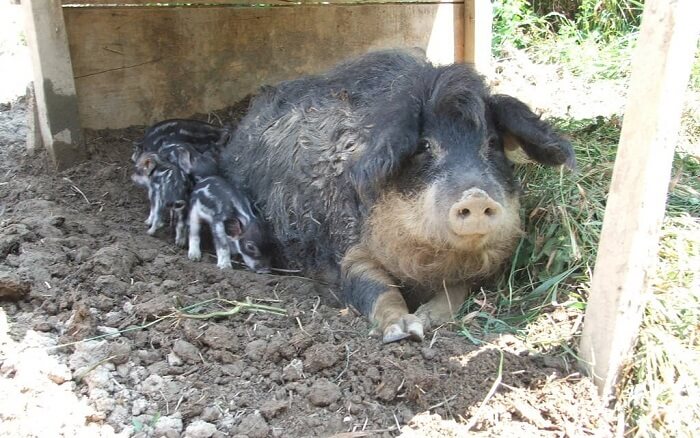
(200, 429)
(220, 337)
(272, 408)
(323, 393)
(11, 287)
(186, 351)
(253, 425)
(320, 356)
(293, 371)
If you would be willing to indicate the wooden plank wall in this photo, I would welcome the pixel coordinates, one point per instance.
(138, 65)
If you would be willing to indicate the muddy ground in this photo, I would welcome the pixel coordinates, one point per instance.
(76, 263)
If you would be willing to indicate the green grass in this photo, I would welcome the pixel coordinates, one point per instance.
(659, 391)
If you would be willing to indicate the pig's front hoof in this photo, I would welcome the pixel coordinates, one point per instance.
(194, 254)
(224, 265)
(148, 221)
(433, 314)
(152, 231)
(407, 327)
(181, 243)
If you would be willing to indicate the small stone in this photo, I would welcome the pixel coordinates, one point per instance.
(323, 393)
(174, 360)
(168, 426)
(294, 371)
(200, 429)
(254, 426)
(186, 351)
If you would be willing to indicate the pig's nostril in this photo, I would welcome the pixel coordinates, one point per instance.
(464, 212)
(489, 212)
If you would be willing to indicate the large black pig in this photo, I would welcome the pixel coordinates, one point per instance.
(389, 176)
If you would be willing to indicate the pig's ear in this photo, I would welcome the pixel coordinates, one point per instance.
(185, 160)
(393, 135)
(233, 228)
(523, 129)
(149, 164)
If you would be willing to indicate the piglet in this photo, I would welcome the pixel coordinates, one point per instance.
(168, 188)
(201, 135)
(233, 224)
(195, 164)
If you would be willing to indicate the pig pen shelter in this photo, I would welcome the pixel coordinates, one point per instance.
(117, 63)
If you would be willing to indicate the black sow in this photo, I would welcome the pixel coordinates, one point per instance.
(389, 176)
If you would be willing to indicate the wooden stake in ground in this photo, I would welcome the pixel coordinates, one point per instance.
(636, 202)
(54, 87)
(477, 34)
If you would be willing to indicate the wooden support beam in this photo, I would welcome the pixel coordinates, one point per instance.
(635, 209)
(54, 87)
(34, 141)
(477, 34)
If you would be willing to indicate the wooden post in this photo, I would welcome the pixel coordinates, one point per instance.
(54, 87)
(34, 141)
(636, 202)
(477, 34)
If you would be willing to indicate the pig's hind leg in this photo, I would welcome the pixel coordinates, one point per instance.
(371, 290)
(181, 223)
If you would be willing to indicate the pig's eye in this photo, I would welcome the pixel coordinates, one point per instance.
(251, 248)
(423, 146)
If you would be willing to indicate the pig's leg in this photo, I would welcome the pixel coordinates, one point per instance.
(152, 212)
(443, 306)
(371, 290)
(194, 252)
(223, 249)
(157, 218)
(180, 226)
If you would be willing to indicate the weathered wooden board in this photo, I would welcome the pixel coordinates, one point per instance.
(202, 3)
(628, 244)
(56, 105)
(137, 66)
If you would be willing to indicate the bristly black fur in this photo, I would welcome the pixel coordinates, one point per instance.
(316, 153)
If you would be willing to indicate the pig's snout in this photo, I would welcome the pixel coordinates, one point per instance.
(476, 213)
